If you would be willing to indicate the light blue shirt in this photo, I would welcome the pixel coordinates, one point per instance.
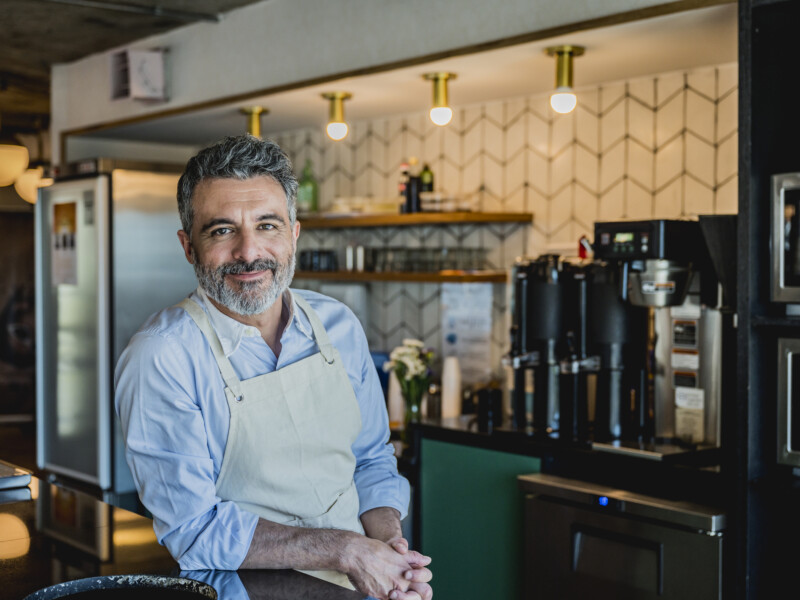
(170, 398)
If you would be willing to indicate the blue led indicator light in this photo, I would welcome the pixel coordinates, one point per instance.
(602, 501)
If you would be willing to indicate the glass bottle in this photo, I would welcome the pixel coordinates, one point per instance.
(307, 190)
(426, 178)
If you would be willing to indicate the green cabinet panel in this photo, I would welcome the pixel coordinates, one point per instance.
(472, 519)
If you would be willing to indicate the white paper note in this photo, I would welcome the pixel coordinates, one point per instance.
(467, 328)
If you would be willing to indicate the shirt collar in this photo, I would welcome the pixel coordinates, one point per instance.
(231, 332)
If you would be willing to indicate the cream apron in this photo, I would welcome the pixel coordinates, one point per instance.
(288, 457)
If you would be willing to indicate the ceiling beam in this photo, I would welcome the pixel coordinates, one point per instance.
(153, 11)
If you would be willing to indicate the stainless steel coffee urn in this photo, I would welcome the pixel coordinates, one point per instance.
(536, 333)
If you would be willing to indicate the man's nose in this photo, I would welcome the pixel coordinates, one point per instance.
(246, 248)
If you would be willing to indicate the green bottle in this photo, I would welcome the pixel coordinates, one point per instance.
(307, 191)
(426, 177)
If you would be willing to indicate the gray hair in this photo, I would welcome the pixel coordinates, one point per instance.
(236, 157)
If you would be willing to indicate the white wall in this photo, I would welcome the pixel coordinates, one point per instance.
(657, 147)
(286, 41)
(82, 148)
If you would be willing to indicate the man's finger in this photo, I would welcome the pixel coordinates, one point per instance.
(415, 559)
(420, 575)
(423, 589)
(409, 595)
(416, 591)
(399, 545)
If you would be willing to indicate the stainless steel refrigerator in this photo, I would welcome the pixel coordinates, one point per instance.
(107, 257)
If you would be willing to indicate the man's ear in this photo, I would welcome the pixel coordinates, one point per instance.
(186, 243)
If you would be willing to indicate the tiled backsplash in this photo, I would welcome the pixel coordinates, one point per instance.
(663, 146)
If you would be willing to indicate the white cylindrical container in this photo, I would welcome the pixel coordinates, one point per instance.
(451, 388)
(359, 258)
(397, 408)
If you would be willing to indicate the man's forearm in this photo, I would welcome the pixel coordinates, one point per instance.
(382, 523)
(276, 546)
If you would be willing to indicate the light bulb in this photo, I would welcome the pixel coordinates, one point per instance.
(563, 100)
(441, 115)
(337, 130)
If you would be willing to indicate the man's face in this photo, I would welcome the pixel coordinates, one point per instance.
(242, 244)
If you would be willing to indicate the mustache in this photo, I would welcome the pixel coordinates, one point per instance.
(239, 267)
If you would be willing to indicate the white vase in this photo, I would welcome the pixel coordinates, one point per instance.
(397, 406)
(451, 388)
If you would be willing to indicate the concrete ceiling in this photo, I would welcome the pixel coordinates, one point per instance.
(36, 34)
(677, 41)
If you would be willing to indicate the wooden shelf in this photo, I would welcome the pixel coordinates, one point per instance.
(439, 277)
(423, 218)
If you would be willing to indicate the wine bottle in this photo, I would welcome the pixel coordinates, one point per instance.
(307, 190)
(426, 178)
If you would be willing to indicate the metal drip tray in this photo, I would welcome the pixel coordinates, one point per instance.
(663, 451)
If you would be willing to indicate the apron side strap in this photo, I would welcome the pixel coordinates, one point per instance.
(200, 318)
(326, 348)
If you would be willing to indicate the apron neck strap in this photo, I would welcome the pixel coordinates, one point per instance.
(326, 348)
(200, 317)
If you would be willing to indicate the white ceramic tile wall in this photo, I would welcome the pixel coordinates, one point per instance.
(663, 146)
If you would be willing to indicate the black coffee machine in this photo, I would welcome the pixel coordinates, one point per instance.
(572, 338)
(683, 274)
(537, 331)
(624, 351)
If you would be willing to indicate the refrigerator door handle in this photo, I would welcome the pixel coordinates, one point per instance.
(100, 205)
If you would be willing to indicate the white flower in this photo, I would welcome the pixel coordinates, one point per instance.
(412, 343)
(403, 352)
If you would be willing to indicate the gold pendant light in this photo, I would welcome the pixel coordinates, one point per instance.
(254, 119)
(441, 113)
(563, 99)
(337, 126)
(27, 185)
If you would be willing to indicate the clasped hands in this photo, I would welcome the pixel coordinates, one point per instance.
(390, 571)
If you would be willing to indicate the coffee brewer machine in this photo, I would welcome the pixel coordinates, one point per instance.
(624, 351)
(572, 336)
(666, 269)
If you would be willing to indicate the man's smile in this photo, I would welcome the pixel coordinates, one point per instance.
(249, 276)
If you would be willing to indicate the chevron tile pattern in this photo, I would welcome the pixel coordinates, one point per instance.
(663, 146)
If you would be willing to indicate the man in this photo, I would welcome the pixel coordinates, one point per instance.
(254, 421)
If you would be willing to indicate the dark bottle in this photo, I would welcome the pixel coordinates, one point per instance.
(426, 178)
(412, 194)
(403, 183)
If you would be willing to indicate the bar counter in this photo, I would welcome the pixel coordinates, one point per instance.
(696, 473)
(51, 534)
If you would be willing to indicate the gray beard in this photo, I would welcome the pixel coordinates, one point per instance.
(250, 298)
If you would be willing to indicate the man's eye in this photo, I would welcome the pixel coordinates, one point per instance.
(266, 226)
(221, 231)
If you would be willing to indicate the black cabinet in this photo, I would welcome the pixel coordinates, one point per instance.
(762, 553)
